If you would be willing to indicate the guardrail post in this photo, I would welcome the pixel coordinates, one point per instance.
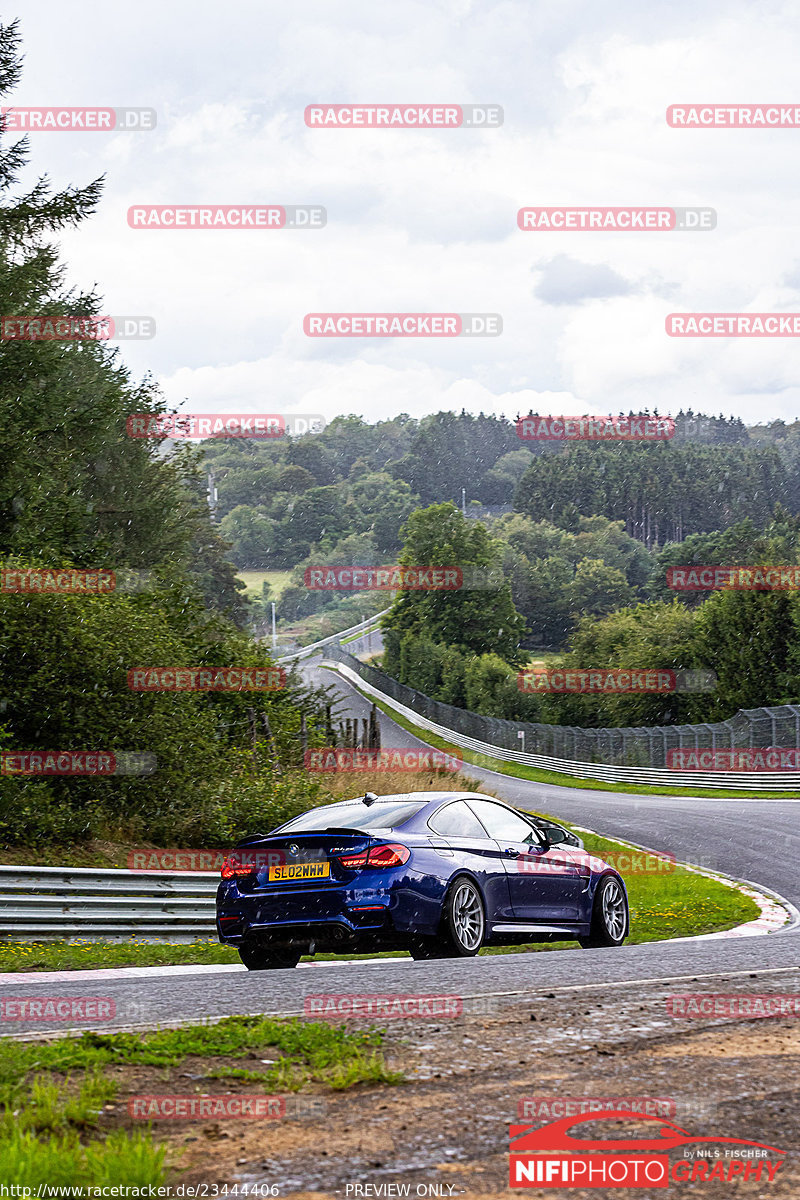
(272, 744)
(303, 735)
(374, 729)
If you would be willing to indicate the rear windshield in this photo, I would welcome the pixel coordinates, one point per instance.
(354, 816)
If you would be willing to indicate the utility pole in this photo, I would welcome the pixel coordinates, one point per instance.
(274, 634)
(211, 493)
(463, 502)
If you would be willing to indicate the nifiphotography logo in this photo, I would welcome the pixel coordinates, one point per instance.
(552, 1156)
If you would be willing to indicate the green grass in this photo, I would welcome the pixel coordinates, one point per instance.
(536, 775)
(83, 955)
(46, 1106)
(544, 660)
(309, 1051)
(278, 581)
(355, 636)
(42, 1119)
(52, 1093)
(119, 1160)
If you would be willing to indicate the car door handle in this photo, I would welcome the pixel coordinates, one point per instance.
(511, 853)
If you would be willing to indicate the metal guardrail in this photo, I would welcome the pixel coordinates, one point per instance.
(68, 903)
(362, 627)
(604, 772)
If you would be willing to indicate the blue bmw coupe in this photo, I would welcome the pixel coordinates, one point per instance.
(439, 874)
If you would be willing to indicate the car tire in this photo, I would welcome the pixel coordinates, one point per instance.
(268, 958)
(610, 916)
(425, 948)
(463, 920)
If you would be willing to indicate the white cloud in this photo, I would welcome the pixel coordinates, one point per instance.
(427, 221)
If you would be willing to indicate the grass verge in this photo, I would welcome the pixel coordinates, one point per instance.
(63, 1117)
(278, 581)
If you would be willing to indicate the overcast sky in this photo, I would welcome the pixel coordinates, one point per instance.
(425, 221)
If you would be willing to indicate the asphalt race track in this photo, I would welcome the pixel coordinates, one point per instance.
(752, 840)
(151, 996)
(755, 840)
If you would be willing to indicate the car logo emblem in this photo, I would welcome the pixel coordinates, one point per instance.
(293, 849)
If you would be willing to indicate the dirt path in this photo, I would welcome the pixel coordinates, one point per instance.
(445, 1131)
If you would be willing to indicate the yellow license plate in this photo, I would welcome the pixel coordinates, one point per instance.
(294, 871)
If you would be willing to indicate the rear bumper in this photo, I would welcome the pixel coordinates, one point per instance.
(388, 908)
(333, 933)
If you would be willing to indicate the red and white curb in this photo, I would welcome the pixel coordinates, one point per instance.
(773, 918)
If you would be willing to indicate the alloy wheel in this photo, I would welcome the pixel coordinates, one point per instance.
(467, 912)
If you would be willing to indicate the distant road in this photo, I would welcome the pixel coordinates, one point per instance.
(756, 840)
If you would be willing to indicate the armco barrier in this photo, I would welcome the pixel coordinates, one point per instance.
(362, 627)
(55, 903)
(500, 738)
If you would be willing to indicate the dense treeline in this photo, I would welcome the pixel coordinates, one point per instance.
(280, 501)
(748, 639)
(661, 492)
(76, 491)
(286, 502)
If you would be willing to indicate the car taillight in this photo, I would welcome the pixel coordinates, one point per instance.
(234, 868)
(353, 861)
(390, 854)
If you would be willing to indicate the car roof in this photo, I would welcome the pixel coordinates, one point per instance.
(422, 798)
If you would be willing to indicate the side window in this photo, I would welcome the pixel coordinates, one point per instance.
(503, 824)
(456, 820)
